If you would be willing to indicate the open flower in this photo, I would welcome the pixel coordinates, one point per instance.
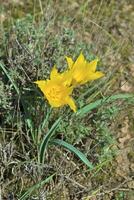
(57, 90)
(83, 71)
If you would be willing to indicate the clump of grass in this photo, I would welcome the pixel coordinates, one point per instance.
(29, 49)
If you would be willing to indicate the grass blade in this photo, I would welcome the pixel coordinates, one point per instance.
(71, 148)
(46, 119)
(86, 109)
(43, 124)
(46, 139)
(35, 187)
(9, 77)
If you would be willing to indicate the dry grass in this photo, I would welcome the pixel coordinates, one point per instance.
(34, 36)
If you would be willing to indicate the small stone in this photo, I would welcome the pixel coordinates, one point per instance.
(126, 87)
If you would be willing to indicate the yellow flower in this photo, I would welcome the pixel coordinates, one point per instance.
(83, 71)
(57, 89)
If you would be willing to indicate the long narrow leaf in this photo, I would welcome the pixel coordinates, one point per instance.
(46, 139)
(35, 187)
(46, 118)
(9, 77)
(71, 148)
(43, 124)
(86, 109)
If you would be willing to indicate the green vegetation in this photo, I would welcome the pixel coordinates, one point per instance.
(55, 153)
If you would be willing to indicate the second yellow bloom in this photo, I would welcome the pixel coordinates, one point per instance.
(83, 71)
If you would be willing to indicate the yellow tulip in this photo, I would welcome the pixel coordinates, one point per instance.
(83, 71)
(57, 90)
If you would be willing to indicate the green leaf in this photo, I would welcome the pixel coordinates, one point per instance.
(86, 109)
(10, 78)
(71, 148)
(43, 124)
(46, 119)
(35, 187)
(46, 139)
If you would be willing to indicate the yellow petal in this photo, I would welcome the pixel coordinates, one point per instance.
(80, 61)
(71, 103)
(70, 62)
(41, 82)
(70, 90)
(65, 78)
(42, 85)
(92, 65)
(94, 76)
(54, 104)
(68, 78)
(54, 73)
